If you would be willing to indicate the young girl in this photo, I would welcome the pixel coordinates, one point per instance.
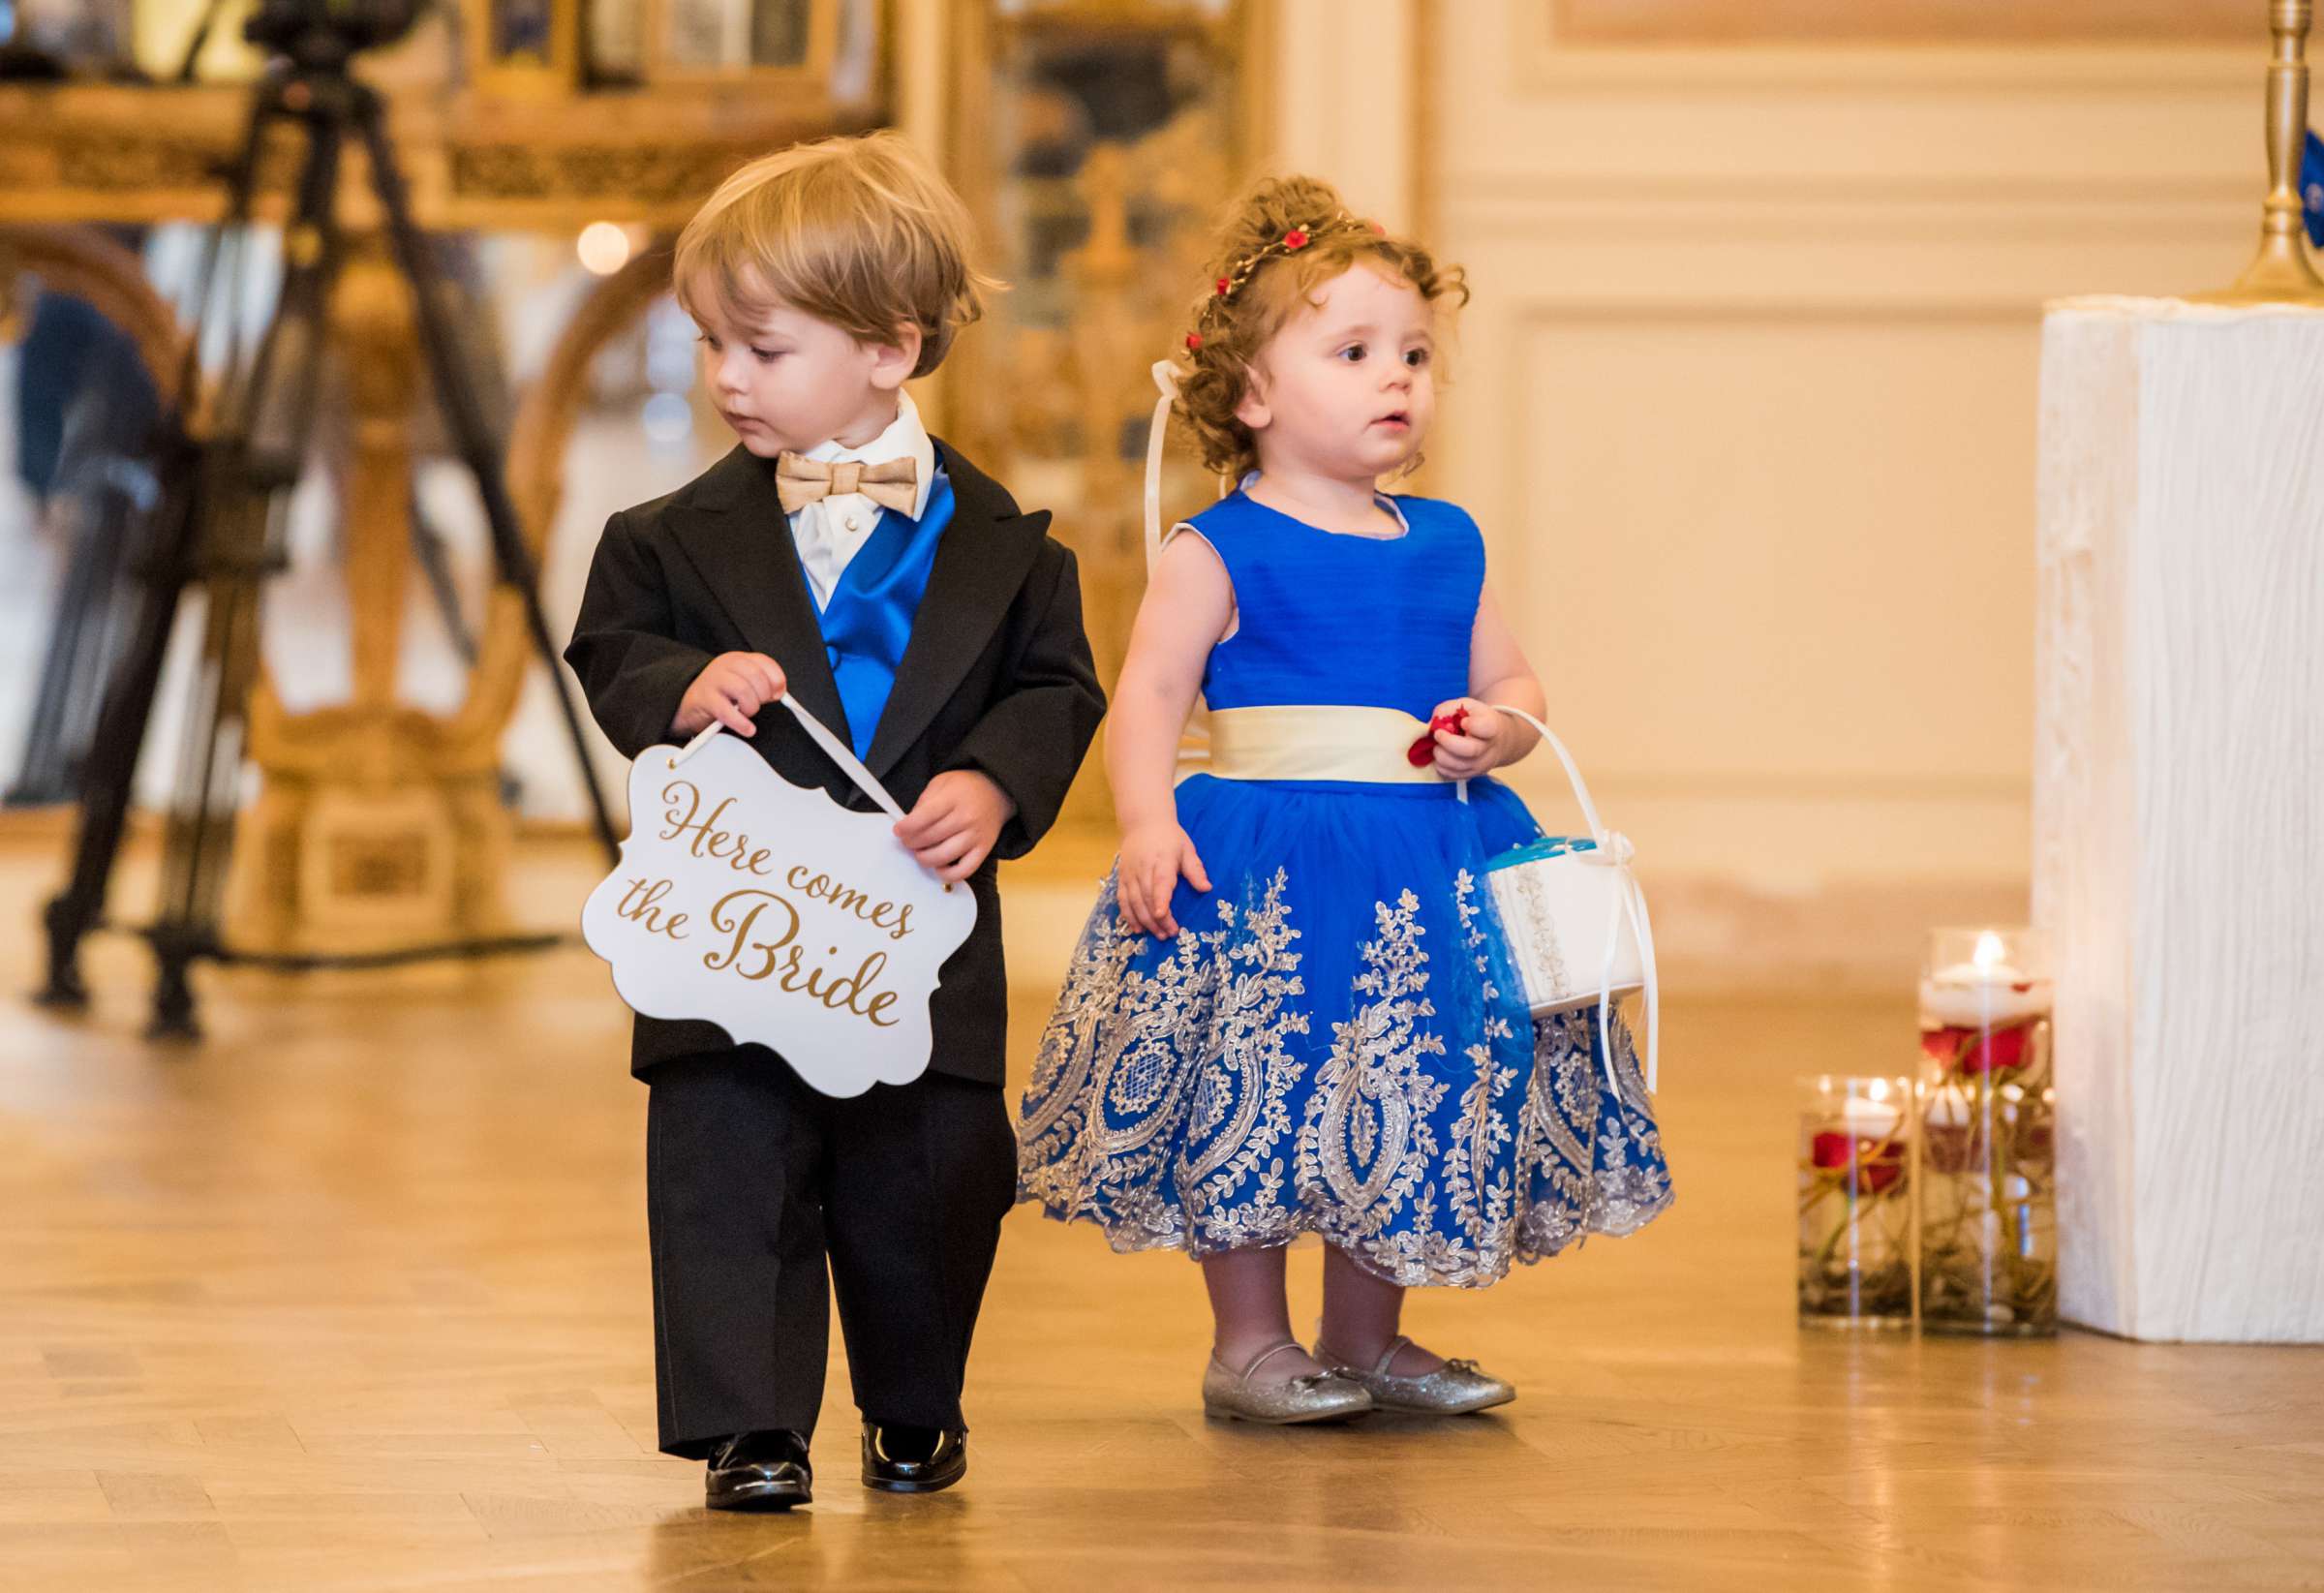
(1291, 1011)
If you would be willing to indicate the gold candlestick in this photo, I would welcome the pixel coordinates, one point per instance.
(2280, 272)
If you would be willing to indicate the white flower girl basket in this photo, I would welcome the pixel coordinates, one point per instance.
(1575, 918)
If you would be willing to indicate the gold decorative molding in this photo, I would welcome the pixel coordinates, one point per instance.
(1905, 22)
(83, 152)
(1546, 60)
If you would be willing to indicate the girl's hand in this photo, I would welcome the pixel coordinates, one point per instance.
(732, 687)
(1152, 858)
(1483, 744)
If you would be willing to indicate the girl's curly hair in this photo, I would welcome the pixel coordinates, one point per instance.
(1279, 242)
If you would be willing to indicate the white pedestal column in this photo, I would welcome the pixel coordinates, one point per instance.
(2178, 813)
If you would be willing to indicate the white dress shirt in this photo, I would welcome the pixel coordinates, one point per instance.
(830, 531)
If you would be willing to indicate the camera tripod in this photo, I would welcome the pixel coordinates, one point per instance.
(221, 505)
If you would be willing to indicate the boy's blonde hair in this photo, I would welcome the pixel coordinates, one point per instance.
(859, 231)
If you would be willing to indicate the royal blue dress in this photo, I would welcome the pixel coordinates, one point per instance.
(1335, 1042)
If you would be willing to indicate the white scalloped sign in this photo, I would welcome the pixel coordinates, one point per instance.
(776, 914)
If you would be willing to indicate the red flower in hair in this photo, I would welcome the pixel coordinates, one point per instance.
(1378, 231)
(1223, 285)
(1194, 340)
(1296, 238)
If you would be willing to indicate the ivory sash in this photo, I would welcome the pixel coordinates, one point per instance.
(1317, 742)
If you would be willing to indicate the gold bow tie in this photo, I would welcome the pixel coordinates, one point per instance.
(891, 484)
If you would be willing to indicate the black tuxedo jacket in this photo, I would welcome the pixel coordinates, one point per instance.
(996, 677)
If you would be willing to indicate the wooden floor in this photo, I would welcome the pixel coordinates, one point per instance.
(354, 1297)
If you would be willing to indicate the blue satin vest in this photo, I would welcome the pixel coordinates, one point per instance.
(869, 621)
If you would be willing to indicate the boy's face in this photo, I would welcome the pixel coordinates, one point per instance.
(787, 381)
(1344, 388)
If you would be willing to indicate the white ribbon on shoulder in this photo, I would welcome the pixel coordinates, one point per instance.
(1612, 849)
(1166, 380)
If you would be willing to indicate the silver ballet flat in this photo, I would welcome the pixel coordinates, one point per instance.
(1312, 1396)
(1455, 1389)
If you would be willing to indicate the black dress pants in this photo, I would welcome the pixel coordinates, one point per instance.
(757, 1184)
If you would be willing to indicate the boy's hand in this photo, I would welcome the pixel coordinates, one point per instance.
(952, 827)
(1481, 744)
(1152, 858)
(731, 688)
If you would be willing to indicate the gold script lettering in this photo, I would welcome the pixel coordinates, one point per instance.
(641, 903)
(706, 836)
(739, 923)
(894, 917)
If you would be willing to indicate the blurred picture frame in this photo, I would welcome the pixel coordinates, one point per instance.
(769, 43)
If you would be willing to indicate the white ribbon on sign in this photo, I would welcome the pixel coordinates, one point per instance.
(832, 746)
(1611, 851)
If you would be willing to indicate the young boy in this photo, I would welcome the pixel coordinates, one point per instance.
(844, 556)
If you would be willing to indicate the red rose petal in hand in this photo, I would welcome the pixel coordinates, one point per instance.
(1422, 753)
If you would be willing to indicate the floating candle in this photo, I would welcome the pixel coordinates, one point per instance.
(1986, 992)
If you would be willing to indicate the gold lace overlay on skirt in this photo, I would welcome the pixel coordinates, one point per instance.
(1186, 1100)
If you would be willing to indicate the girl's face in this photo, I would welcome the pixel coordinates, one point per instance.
(785, 379)
(1344, 388)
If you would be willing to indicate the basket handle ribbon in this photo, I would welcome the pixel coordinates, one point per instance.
(1609, 849)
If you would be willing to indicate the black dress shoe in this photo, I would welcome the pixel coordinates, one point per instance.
(759, 1470)
(901, 1459)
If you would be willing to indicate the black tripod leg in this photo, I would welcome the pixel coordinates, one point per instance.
(107, 777)
(199, 842)
(472, 437)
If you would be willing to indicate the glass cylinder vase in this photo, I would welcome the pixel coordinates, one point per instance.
(1855, 1256)
(1985, 1144)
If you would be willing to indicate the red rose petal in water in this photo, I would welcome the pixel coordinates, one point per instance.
(1998, 1052)
(1942, 1046)
(1881, 1176)
(1828, 1150)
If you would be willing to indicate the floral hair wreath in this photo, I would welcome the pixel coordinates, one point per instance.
(1223, 292)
